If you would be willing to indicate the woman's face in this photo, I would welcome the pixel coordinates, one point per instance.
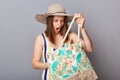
(58, 22)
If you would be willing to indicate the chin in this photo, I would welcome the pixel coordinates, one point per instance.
(57, 32)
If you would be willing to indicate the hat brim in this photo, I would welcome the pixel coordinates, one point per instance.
(42, 18)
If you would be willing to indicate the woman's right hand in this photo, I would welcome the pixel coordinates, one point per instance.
(37, 54)
(45, 65)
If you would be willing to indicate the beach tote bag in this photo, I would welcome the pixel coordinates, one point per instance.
(70, 62)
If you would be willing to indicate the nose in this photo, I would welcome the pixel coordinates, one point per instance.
(59, 23)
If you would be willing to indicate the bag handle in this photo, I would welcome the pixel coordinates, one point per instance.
(69, 30)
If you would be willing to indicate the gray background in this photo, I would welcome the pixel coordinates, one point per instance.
(18, 30)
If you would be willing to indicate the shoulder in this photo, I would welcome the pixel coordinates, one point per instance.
(72, 35)
(39, 39)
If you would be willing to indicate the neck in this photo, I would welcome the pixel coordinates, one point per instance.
(58, 39)
(57, 35)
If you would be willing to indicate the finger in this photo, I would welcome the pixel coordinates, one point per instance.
(48, 66)
(71, 41)
(77, 15)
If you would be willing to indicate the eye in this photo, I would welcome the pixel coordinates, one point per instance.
(55, 20)
(62, 21)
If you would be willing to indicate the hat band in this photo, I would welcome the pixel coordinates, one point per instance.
(55, 13)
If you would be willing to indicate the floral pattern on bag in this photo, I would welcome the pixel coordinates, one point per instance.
(67, 61)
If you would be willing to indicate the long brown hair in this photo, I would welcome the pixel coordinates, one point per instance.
(50, 32)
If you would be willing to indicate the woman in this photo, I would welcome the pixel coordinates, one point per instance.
(56, 21)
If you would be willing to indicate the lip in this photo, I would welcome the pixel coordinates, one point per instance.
(58, 28)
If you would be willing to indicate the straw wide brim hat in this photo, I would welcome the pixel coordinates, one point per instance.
(53, 10)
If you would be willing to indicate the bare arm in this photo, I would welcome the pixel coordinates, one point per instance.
(87, 43)
(37, 54)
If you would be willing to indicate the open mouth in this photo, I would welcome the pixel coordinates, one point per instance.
(57, 28)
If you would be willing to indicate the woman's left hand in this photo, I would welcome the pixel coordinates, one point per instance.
(80, 19)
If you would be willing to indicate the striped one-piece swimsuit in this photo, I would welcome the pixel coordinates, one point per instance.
(47, 48)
